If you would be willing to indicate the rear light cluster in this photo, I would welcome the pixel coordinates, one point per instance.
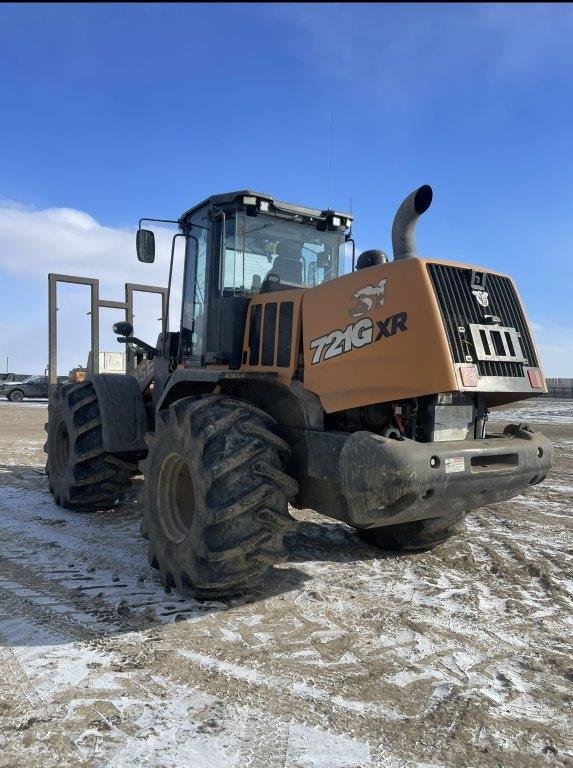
(535, 379)
(469, 375)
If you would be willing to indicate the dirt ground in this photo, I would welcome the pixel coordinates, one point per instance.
(349, 657)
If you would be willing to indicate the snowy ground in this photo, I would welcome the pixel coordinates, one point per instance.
(349, 658)
(543, 411)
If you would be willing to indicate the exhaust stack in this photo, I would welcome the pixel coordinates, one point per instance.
(403, 242)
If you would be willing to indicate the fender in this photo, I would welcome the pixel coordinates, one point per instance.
(185, 382)
(122, 410)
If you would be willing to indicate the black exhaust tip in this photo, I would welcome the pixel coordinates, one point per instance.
(403, 228)
(423, 199)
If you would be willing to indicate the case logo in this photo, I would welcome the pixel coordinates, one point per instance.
(367, 297)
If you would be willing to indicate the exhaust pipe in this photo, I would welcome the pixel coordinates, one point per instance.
(403, 242)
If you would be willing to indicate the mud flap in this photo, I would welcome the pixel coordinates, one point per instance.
(123, 416)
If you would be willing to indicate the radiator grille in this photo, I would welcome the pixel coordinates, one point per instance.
(459, 308)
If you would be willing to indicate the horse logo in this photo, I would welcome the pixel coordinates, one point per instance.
(367, 297)
(482, 298)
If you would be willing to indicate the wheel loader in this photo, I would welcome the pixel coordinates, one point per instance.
(359, 388)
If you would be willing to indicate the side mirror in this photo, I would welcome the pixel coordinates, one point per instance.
(123, 329)
(145, 243)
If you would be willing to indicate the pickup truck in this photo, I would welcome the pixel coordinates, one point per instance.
(33, 386)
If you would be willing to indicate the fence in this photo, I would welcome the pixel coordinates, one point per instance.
(560, 388)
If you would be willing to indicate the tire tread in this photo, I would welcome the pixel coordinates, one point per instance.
(238, 465)
(95, 479)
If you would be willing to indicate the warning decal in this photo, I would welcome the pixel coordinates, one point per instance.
(454, 464)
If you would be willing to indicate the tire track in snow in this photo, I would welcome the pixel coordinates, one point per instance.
(65, 558)
(129, 600)
(69, 682)
(126, 719)
(37, 608)
(46, 604)
(33, 513)
(422, 591)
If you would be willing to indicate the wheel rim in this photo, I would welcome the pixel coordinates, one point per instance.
(61, 452)
(17, 396)
(175, 497)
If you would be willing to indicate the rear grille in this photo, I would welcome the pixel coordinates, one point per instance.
(459, 307)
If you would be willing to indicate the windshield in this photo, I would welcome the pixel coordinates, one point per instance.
(263, 254)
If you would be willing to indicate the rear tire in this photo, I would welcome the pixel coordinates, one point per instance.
(215, 496)
(82, 476)
(416, 536)
(16, 396)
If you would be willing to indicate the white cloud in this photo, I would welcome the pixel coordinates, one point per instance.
(34, 243)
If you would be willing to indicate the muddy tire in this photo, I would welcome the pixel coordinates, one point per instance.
(420, 535)
(81, 475)
(215, 495)
(16, 396)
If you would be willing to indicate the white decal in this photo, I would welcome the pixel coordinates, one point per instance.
(482, 298)
(355, 335)
(454, 464)
(366, 297)
(337, 342)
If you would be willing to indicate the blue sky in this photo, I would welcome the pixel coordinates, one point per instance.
(112, 112)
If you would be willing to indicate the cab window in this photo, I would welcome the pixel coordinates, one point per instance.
(264, 254)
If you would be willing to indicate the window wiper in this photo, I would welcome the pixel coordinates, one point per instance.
(268, 224)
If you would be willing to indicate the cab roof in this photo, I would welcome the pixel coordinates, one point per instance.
(230, 198)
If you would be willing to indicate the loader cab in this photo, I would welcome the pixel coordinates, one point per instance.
(239, 245)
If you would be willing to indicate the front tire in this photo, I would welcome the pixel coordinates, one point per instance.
(81, 475)
(416, 536)
(215, 495)
(16, 396)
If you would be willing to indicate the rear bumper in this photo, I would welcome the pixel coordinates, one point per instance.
(383, 482)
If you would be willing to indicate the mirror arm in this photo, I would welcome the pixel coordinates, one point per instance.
(163, 221)
(143, 345)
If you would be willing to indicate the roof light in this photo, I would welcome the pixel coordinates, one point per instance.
(264, 205)
(336, 221)
(248, 200)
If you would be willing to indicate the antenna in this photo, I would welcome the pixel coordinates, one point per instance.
(330, 158)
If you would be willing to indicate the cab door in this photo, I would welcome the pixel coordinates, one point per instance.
(38, 387)
(192, 340)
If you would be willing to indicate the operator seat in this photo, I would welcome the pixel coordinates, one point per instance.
(287, 266)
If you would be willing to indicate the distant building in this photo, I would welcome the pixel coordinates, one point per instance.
(109, 362)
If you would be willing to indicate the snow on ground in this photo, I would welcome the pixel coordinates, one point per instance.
(540, 410)
(347, 658)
